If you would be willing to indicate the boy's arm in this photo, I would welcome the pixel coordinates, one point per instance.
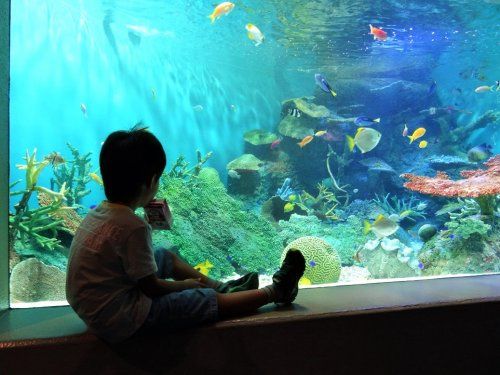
(152, 286)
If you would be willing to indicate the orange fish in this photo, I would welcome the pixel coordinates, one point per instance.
(378, 34)
(305, 141)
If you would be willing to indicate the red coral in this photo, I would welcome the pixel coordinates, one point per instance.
(475, 183)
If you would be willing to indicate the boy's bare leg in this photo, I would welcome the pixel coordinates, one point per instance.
(242, 302)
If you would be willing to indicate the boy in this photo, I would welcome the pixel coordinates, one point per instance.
(116, 281)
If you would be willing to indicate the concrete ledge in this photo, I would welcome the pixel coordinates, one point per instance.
(405, 325)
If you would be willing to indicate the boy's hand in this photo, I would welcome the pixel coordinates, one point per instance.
(191, 284)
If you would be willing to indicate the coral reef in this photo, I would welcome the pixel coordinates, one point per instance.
(33, 281)
(344, 237)
(181, 168)
(480, 184)
(211, 225)
(411, 209)
(244, 174)
(32, 226)
(74, 178)
(322, 260)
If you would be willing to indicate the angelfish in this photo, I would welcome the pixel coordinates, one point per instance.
(254, 34)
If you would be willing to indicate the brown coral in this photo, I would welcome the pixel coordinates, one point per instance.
(476, 183)
(70, 219)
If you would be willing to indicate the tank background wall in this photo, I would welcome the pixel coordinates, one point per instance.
(4, 150)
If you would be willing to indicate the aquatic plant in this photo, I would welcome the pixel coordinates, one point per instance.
(341, 162)
(322, 261)
(412, 207)
(31, 225)
(181, 168)
(482, 185)
(75, 177)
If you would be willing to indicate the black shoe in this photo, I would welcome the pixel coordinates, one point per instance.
(248, 282)
(286, 280)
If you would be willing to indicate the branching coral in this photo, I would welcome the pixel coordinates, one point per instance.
(481, 184)
(75, 177)
(30, 225)
(323, 205)
(410, 208)
(181, 167)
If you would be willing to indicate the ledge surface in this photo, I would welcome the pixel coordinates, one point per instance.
(22, 327)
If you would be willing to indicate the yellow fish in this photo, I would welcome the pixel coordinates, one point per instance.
(204, 267)
(320, 133)
(382, 227)
(220, 10)
(254, 34)
(422, 144)
(288, 207)
(304, 281)
(305, 141)
(366, 139)
(292, 198)
(96, 178)
(417, 134)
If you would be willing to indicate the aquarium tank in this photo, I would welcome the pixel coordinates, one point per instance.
(366, 134)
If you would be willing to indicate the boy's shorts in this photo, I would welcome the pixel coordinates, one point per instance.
(179, 310)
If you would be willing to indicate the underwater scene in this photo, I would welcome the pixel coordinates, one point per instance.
(363, 133)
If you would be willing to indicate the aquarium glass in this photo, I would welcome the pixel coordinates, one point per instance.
(363, 133)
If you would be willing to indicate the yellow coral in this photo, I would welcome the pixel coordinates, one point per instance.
(322, 261)
(33, 169)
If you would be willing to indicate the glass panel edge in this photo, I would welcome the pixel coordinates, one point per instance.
(4, 151)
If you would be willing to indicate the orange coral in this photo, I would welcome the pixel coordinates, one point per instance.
(71, 220)
(475, 183)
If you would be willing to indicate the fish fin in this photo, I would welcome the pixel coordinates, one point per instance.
(350, 142)
(367, 227)
(334, 94)
(212, 17)
(377, 120)
(250, 36)
(411, 139)
(379, 217)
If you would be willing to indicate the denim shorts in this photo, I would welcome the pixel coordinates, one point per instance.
(179, 310)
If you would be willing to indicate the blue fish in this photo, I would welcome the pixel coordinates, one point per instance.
(420, 265)
(92, 206)
(323, 84)
(366, 121)
(312, 263)
(432, 88)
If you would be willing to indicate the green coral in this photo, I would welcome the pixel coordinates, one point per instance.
(211, 225)
(35, 226)
(344, 237)
(468, 227)
(322, 260)
(74, 174)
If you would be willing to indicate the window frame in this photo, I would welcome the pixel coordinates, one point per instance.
(4, 151)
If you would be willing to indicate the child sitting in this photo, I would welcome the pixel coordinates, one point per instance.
(116, 280)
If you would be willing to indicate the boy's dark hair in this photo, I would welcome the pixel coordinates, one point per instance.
(128, 160)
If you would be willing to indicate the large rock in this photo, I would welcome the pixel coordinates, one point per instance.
(33, 281)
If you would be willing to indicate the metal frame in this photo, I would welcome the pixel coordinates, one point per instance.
(4, 151)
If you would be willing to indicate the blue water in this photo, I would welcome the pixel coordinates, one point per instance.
(68, 53)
